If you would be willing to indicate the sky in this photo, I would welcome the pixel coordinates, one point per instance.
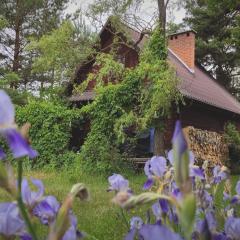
(147, 10)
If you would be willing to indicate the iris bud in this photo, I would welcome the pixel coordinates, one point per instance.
(80, 191)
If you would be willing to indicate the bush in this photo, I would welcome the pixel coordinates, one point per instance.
(232, 136)
(50, 130)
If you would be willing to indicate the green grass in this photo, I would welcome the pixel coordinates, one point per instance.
(99, 217)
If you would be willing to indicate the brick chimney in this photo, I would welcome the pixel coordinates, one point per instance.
(183, 45)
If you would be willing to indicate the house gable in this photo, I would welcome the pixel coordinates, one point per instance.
(194, 82)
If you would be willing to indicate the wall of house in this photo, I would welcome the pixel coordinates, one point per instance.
(200, 116)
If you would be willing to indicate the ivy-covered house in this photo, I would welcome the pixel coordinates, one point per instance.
(208, 106)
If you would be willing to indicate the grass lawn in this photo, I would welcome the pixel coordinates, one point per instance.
(98, 217)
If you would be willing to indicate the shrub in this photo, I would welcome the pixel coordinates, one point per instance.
(232, 136)
(50, 130)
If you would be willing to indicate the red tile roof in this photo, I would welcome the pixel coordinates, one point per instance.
(200, 86)
(197, 84)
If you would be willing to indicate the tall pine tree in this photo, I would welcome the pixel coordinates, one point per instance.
(25, 19)
(218, 26)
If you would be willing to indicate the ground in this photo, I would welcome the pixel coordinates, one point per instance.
(98, 217)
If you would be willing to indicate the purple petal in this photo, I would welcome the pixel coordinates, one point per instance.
(158, 166)
(177, 194)
(38, 183)
(148, 184)
(2, 154)
(147, 169)
(164, 205)
(219, 236)
(238, 188)
(232, 227)
(47, 209)
(156, 232)
(7, 113)
(118, 183)
(26, 192)
(25, 236)
(191, 158)
(235, 199)
(157, 211)
(30, 198)
(179, 140)
(212, 224)
(131, 234)
(226, 196)
(18, 144)
(70, 234)
(195, 171)
(136, 223)
(10, 221)
(170, 156)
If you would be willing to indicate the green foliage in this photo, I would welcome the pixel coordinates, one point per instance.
(232, 136)
(218, 26)
(133, 99)
(3, 22)
(52, 60)
(50, 130)
(28, 19)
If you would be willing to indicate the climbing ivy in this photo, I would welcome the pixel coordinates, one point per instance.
(134, 98)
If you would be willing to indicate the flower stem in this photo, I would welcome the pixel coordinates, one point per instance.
(124, 218)
(21, 204)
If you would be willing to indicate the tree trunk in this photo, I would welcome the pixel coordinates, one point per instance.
(159, 132)
(15, 66)
(159, 149)
(162, 15)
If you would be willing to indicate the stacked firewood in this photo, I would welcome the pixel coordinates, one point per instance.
(207, 145)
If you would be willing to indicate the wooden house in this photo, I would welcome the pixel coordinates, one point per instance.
(209, 106)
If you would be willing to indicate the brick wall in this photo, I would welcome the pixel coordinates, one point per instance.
(183, 45)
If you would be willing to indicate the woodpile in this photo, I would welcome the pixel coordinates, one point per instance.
(207, 145)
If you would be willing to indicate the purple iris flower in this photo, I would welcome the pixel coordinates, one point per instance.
(72, 233)
(226, 196)
(194, 171)
(31, 198)
(118, 183)
(156, 232)
(157, 167)
(136, 223)
(177, 194)
(178, 140)
(164, 205)
(218, 174)
(157, 211)
(238, 188)
(15, 140)
(197, 172)
(236, 198)
(212, 223)
(207, 198)
(232, 228)
(47, 210)
(171, 158)
(11, 223)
